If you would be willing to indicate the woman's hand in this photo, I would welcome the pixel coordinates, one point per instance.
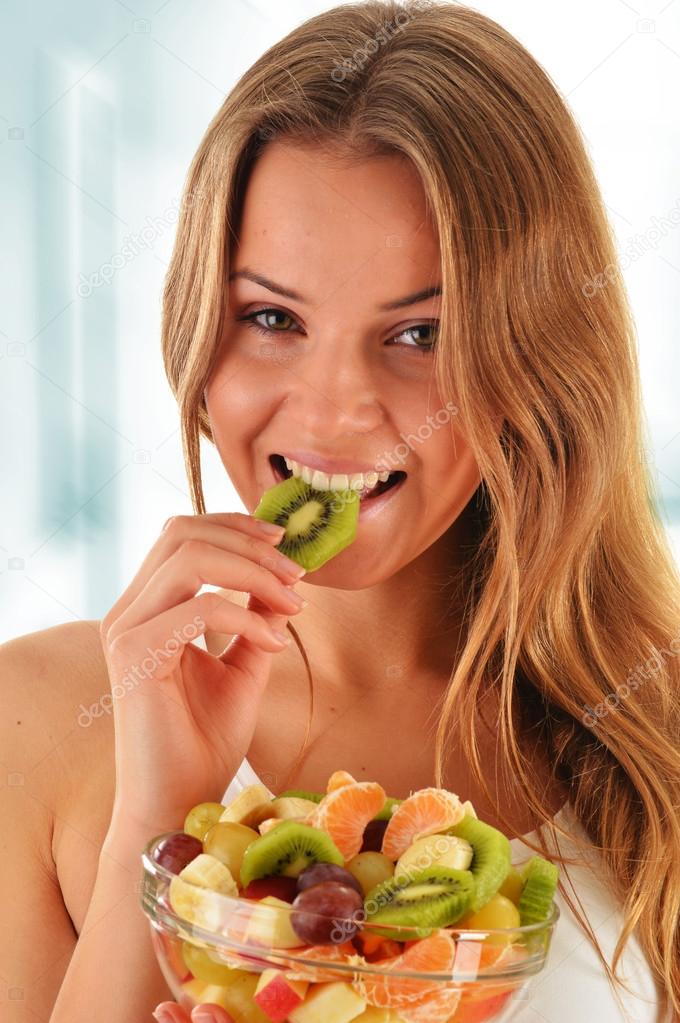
(171, 1012)
(184, 719)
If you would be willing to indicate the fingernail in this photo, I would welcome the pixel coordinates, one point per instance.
(292, 568)
(203, 1016)
(269, 527)
(162, 1016)
(281, 637)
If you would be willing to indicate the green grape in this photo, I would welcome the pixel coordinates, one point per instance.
(204, 967)
(499, 912)
(228, 842)
(512, 886)
(201, 818)
(370, 868)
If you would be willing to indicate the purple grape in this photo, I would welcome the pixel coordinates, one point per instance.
(327, 913)
(176, 851)
(373, 836)
(317, 873)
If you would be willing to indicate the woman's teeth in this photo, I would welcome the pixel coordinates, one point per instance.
(363, 482)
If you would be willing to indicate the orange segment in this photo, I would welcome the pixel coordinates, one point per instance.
(434, 954)
(344, 954)
(433, 1008)
(338, 779)
(426, 812)
(345, 812)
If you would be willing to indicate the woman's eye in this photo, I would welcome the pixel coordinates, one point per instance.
(268, 328)
(423, 347)
(251, 320)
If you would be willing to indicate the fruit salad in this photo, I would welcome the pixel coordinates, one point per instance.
(350, 905)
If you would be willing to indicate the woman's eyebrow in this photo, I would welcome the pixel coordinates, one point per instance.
(278, 289)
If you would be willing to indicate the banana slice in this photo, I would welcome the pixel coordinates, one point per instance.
(191, 891)
(250, 806)
(431, 850)
(291, 807)
(264, 826)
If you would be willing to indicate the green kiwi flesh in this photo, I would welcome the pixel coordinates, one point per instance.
(314, 797)
(388, 809)
(287, 850)
(491, 854)
(318, 523)
(430, 899)
(538, 891)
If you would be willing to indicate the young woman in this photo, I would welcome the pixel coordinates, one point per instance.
(392, 255)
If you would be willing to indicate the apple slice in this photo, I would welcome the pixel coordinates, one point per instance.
(277, 996)
(336, 1002)
(269, 925)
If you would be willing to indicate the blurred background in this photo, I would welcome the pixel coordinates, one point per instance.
(101, 110)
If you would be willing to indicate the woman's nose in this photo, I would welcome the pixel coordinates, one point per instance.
(332, 391)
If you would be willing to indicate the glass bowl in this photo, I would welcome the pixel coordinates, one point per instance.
(241, 954)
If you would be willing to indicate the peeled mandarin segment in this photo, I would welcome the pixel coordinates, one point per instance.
(426, 812)
(344, 953)
(338, 779)
(345, 812)
(436, 1007)
(434, 954)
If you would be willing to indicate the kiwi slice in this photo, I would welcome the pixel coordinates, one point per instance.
(315, 797)
(287, 850)
(432, 898)
(540, 884)
(318, 523)
(387, 810)
(490, 857)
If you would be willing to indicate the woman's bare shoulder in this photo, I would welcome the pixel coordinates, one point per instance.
(58, 751)
(53, 682)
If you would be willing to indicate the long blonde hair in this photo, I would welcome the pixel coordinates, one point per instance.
(572, 594)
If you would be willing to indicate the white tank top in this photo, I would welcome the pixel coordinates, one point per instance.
(573, 985)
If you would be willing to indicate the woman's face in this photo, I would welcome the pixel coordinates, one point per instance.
(337, 380)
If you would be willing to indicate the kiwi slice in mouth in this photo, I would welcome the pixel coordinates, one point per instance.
(287, 850)
(430, 899)
(491, 854)
(318, 523)
(540, 884)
